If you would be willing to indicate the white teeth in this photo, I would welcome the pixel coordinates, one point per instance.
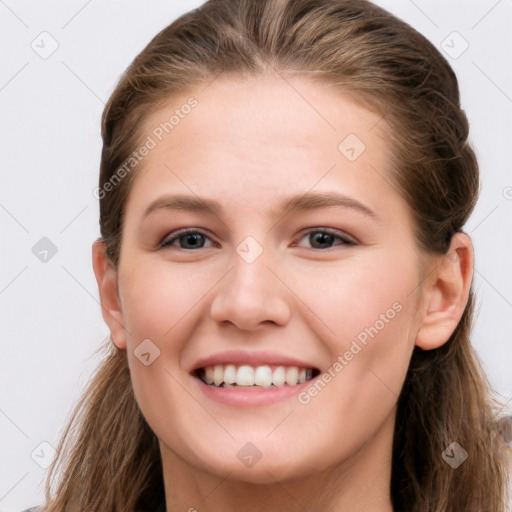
(246, 375)
(279, 376)
(218, 374)
(263, 376)
(292, 375)
(230, 374)
(208, 374)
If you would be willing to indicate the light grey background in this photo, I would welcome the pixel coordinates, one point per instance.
(50, 149)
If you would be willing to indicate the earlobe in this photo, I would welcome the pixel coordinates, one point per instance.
(446, 293)
(111, 309)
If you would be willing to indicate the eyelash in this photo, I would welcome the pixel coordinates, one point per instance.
(345, 239)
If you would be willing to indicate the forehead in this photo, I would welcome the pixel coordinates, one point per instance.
(278, 110)
(263, 137)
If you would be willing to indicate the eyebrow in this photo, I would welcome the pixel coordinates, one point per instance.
(294, 204)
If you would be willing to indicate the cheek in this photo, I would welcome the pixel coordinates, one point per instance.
(161, 303)
(371, 311)
(365, 313)
(159, 298)
(360, 297)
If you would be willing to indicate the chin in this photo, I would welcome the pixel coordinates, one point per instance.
(265, 467)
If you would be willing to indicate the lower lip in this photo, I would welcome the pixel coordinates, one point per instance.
(250, 397)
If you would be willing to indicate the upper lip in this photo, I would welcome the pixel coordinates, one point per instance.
(254, 358)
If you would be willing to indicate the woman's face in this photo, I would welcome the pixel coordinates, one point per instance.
(301, 253)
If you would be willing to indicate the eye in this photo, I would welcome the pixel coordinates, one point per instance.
(187, 239)
(318, 238)
(324, 239)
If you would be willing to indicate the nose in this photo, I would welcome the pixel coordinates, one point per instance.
(250, 296)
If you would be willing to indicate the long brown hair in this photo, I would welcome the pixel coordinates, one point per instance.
(108, 456)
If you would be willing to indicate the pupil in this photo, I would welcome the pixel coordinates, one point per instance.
(192, 239)
(318, 238)
(321, 238)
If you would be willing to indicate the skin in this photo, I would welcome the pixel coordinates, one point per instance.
(251, 144)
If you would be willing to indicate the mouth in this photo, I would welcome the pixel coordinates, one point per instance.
(248, 376)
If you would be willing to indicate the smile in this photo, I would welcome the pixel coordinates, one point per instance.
(247, 376)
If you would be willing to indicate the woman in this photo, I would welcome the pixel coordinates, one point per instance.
(284, 273)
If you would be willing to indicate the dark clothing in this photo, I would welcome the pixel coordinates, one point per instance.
(161, 508)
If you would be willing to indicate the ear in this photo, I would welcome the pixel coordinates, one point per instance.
(106, 277)
(446, 291)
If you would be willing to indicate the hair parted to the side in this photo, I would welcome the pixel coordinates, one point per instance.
(108, 458)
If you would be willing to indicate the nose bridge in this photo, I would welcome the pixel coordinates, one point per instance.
(250, 294)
